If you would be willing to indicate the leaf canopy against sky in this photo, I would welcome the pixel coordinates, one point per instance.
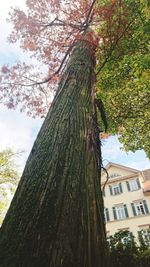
(49, 30)
(124, 86)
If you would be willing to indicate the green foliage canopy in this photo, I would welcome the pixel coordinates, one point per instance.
(125, 251)
(124, 83)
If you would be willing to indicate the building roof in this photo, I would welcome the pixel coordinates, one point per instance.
(146, 174)
(111, 164)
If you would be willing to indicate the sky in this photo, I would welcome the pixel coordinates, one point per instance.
(17, 131)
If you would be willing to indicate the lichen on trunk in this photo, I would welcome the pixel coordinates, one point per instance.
(56, 216)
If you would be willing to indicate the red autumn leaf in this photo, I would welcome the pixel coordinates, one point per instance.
(50, 29)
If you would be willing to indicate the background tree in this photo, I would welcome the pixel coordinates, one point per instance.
(124, 86)
(8, 172)
(125, 250)
(9, 178)
(56, 216)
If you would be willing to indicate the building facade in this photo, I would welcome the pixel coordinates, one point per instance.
(126, 194)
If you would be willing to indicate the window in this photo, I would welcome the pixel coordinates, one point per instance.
(113, 175)
(139, 208)
(106, 215)
(120, 212)
(133, 185)
(145, 234)
(115, 189)
(127, 238)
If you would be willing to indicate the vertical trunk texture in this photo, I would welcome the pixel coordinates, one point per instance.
(56, 216)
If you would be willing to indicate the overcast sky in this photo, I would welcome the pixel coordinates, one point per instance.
(18, 131)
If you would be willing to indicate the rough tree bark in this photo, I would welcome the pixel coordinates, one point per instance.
(56, 216)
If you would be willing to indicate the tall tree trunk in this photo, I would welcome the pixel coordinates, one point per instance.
(56, 216)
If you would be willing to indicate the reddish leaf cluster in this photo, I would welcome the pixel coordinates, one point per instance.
(49, 30)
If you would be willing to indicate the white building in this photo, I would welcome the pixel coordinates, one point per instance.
(126, 200)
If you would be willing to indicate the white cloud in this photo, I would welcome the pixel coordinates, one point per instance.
(112, 152)
(5, 5)
(111, 149)
(9, 52)
(18, 132)
(140, 164)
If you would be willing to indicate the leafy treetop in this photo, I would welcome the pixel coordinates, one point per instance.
(124, 86)
(119, 30)
(49, 30)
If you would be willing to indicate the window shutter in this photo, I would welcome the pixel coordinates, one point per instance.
(114, 213)
(126, 211)
(133, 209)
(103, 192)
(120, 186)
(110, 188)
(145, 206)
(107, 215)
(128, 186)
(138, 183)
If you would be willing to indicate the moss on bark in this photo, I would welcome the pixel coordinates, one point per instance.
(56, 216)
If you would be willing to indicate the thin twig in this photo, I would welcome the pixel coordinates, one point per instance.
(89, 15)
(49, 78)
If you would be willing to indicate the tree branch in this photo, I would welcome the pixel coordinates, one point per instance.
(90, 14)
(58, 22)
(49, 78)
(113, 48)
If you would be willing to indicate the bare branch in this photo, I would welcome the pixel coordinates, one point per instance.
(49, 78)
(58, 22)
(80, 26)
(90, 14)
